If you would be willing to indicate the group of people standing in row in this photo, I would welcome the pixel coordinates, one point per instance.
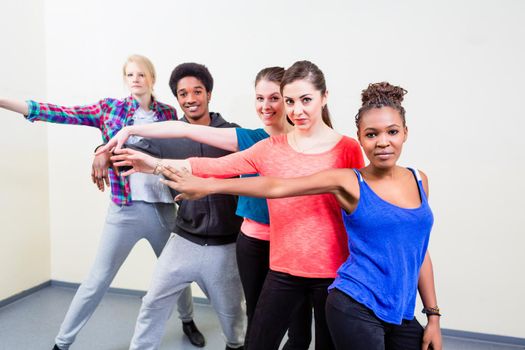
(316, 230)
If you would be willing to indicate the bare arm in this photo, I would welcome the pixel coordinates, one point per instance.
(14, 105)
(340, 182)
(427, 291)
(432, 335)
(144, 163)
(223, 138)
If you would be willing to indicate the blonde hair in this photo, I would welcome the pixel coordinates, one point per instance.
(144, 63)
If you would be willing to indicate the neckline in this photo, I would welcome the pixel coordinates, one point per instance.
(421, 205)
(285, 136)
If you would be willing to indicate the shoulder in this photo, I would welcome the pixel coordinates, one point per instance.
(424, 180)
(349, 142)
(168, 111)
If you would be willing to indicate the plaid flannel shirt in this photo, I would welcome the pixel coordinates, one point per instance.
(109, 115)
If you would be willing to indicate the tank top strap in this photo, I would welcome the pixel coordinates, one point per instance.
(358, 174)
(419, 181)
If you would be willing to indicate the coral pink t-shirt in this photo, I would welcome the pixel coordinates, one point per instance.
(307, 235)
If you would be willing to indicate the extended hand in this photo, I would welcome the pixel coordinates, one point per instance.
(190, 187)
(116, 141)
(140, 162)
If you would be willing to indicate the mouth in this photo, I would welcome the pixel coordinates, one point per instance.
(384, 155)
(267, 115)
(192, 109)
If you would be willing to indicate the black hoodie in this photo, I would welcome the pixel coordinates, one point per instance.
(210, 220)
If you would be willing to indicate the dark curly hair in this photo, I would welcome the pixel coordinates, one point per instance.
(379, 95)
(191, 69)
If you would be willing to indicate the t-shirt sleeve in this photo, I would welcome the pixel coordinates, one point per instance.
(246, 138)
(355, 160)
(235, 164)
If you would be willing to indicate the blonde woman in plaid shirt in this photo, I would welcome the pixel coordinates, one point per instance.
(150, 215)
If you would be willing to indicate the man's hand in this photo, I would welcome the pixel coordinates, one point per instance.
(99, 170)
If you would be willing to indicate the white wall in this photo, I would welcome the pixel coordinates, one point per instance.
(460, 61)
(24, 210)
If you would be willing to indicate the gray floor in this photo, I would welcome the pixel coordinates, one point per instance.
(31, 324)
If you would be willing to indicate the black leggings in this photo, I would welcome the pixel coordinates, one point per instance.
(282, 295)
(354, 326)
(253, 262)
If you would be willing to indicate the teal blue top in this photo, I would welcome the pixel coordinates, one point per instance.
(255, 209)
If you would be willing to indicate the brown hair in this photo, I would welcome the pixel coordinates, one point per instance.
(379, 95)
(273, 74)
(145, 64)
(306, 70)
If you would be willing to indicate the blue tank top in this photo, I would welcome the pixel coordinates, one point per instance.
(252, 208)
(387, 246)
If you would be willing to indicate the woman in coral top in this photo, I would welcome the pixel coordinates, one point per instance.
(253, 242)
(388, 221)
(307, 235)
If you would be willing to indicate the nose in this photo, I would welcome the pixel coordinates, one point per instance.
(190, 98)
(265, 105)
(382, 141)
(297, 109)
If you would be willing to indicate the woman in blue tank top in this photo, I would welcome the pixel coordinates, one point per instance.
(388, 220)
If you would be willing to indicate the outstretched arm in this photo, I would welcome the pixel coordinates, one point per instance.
(427, 291)
(340, 182)
(224, 138)
(141, 162)
(14, 105)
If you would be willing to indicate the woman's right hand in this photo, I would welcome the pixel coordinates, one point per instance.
(140, 162)
(191, 187)
(116, 141)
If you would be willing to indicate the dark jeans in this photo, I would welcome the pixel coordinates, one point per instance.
(354, 326)
(253, 262)
(281, 297)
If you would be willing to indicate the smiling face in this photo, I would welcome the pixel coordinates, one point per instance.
(138, 79)
(382, 133)
(193, 100)
(269, 102)
(303, 103)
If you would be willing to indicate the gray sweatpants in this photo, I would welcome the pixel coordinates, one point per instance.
(213, 268)
(124, 227)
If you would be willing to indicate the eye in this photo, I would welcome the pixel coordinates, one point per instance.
(141, 75)
(275, 99)
(306, 100)
(259, 99)
(393, 132)
(198, 92)
(182, 94)
(129, 75)
(370, 135)
(288, 101)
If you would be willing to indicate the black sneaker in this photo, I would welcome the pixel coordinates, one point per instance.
(55, 347)
(193, 334)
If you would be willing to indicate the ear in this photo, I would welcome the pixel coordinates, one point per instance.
(208, 94)
(406, 134)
